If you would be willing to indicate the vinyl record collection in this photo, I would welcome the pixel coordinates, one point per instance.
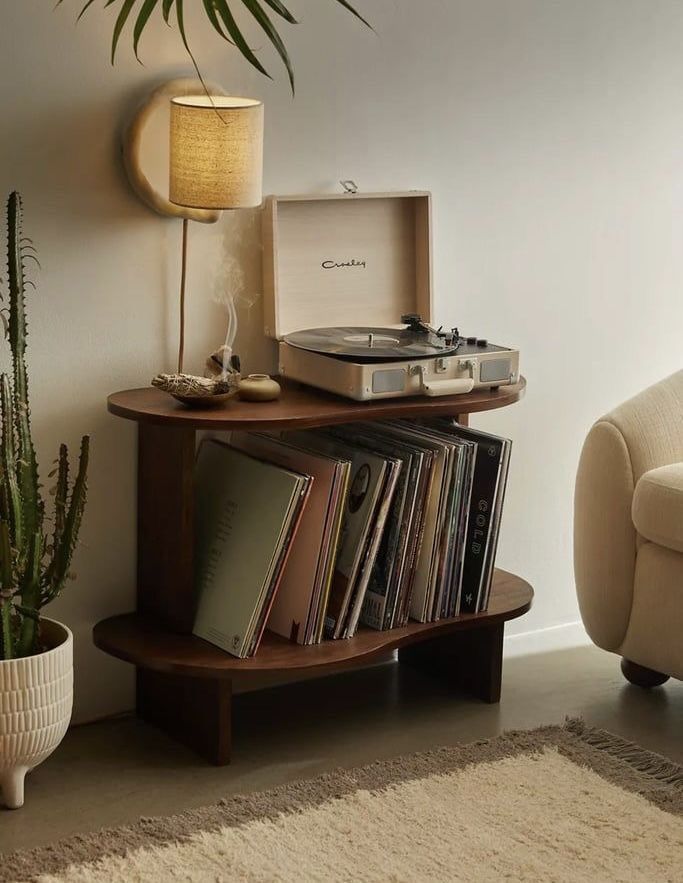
(313, 534)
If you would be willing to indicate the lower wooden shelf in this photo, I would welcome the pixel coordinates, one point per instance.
(138, 639)
(184, 684)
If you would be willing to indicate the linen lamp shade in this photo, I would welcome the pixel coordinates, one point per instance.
(216, 152)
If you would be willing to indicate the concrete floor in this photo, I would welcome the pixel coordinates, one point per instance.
(111, 773)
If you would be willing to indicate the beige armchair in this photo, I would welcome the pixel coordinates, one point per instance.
(628, 533)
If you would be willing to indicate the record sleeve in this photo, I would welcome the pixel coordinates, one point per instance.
(487, 500)
(367, 477)
(305, 569)
(427, 557)
(247, 512)
(448, 549)
(375, 535)
(390, 561)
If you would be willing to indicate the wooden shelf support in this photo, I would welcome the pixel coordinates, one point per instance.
(471, 661)
(196, 712)
(166, 524)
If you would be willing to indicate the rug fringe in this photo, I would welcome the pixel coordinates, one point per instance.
(625, 765)
(647, 762)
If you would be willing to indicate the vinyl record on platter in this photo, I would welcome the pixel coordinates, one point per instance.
(370, 344)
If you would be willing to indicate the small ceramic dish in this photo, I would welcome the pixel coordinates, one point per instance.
(200, 402)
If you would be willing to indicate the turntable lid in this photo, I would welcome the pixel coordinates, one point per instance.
(362, 259)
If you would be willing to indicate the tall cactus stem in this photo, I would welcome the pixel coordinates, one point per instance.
(7, 642)
(27, 467)
(62, 552)
(8, 460)
(7, 586)
(30, 596)
(32, 572)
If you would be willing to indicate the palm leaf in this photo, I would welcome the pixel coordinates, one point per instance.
(120, 22)
(222, 20)
(180, 17)
(80, 14)
(210, 8)
(267, 26)
(231, 27)
(355, 12)
(142, 19)
(282, 10)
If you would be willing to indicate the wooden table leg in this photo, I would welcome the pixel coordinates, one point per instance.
(165, 524)
(195, 711)
(471, 660)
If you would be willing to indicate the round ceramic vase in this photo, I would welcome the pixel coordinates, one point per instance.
(259, 388)
(36, 698)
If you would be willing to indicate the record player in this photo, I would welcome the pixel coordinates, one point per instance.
(411, 359)
(331, 262)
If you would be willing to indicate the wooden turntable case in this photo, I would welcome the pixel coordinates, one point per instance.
(346, 260)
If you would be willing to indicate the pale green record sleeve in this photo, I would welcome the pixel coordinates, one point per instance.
(245, 510)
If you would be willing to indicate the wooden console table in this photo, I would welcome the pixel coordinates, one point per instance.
(184, 684)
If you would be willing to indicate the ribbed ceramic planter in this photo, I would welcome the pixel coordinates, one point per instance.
(36, 697)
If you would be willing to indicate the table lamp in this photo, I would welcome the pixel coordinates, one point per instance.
(216, 162)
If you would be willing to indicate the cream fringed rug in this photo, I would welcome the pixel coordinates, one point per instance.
(555, 804)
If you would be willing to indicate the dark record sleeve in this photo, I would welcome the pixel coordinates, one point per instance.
(482, 505)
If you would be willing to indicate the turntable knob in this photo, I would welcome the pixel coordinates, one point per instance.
(471, 341)
(482, 342)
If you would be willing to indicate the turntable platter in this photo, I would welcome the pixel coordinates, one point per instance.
(371, 344)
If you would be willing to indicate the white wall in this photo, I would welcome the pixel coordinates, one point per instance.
(550, 133)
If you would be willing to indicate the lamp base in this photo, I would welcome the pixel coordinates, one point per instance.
(183, 277)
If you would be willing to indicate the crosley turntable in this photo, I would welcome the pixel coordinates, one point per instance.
(335, 260)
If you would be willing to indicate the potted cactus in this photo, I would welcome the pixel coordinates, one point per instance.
(37, 542)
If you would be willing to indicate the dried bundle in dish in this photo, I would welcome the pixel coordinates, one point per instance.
(201, 392)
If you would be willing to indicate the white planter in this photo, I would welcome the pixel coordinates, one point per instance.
(36, 697)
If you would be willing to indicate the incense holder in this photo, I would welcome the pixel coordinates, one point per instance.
(259, 388)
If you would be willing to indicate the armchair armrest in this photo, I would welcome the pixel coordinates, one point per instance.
(638, 437)
(604, 535)
(658, 506)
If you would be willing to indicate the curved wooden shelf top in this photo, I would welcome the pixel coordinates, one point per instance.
(300, 407)
(142, 641)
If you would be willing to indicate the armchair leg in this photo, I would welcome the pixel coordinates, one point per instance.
(641, 676)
